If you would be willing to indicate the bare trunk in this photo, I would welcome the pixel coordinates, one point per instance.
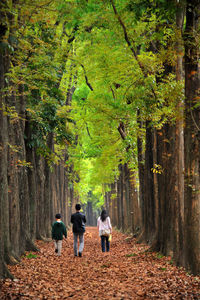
(179, 149)
(4, 207)
(149, 201)
(192, 138)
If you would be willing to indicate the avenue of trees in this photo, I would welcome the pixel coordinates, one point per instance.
(100, 103)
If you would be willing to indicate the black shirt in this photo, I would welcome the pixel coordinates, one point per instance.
(78, 220)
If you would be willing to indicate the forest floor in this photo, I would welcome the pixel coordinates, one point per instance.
(128, 271)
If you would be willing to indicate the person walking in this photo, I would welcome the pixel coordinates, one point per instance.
(78, 220)
(105, 229)
(58, 230)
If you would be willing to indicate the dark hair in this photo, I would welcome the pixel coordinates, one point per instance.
(103, 215)
(78, 206)
(58, 216)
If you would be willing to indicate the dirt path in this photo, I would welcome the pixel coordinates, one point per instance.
(127, 272)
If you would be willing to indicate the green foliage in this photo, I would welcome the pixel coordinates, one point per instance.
(38, 64)
(157, 169)
(11, 112)
(159, 255)
(131, 255)
(77, 49)
(120, 86)
(31, 255)
(163, 269)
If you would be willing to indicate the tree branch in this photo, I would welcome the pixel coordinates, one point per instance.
(121, 130)
(86, 78)
(88, 132)
(126, 35)
(113, 93)
(127, 39)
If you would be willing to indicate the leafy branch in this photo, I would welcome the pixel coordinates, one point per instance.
(127, 39)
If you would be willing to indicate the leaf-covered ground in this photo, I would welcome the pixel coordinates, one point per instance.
(127, 272)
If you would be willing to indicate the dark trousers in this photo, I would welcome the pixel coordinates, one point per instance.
(105, 242)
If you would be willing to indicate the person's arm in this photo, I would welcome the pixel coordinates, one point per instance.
(64, 231)
(109, 225)
(84, 219)
(52, 231)
(98, 220)
(72, 219)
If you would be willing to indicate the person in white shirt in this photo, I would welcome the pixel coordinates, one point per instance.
(105, 229)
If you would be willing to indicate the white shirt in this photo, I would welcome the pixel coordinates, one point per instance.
(104, 225)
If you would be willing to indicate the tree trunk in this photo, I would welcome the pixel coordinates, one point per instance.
(47, 192)
(31, 173)
(4, 206)
(178, 244)
(40, 181)
(192, 138)
(141, 160)
(134, 206)
(149, 201)
(169, 239)
(166, 188)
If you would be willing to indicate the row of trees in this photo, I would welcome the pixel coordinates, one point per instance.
(94, 109)
(35, 179)
(169, 196)
(137, 124)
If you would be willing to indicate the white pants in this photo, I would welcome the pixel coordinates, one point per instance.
(58, 246)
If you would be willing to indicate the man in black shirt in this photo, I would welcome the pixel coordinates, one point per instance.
(78, 220)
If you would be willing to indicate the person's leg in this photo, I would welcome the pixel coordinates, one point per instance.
(75, 244)
(103, 243)
(56, 246)
(81, 243)
(107, 244)
(59, 245)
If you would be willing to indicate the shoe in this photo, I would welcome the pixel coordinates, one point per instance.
(75, 255)
(79, 254)
(56, 250)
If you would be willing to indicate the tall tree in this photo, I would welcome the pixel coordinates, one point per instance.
(33, 134)
(4, 208)
(192, 137)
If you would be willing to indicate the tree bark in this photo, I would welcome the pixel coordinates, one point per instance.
(178, 244)
(4, 204)
(141, 160)
(148, 232)
(192, 138)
